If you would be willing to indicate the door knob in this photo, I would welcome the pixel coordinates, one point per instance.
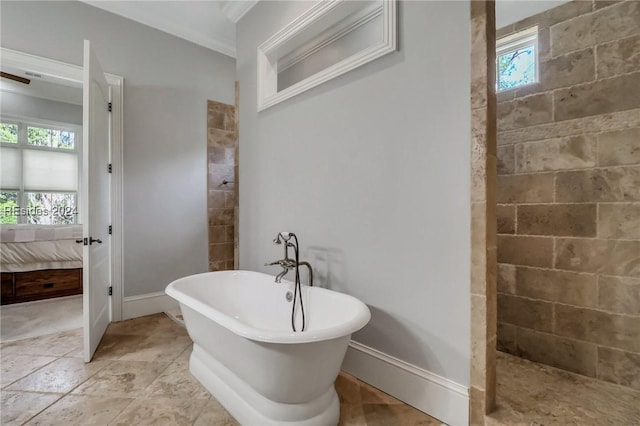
(94, 240)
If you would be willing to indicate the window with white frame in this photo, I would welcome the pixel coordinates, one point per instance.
(517, 59)
(39, 176)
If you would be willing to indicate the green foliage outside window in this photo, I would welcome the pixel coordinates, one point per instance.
(8, 204)
(46, 208)
(517, 68)
(9, 133)
(50, 137)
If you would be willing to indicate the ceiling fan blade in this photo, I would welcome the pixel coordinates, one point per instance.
(15, 77)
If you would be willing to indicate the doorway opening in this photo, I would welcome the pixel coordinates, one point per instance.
(50, 205)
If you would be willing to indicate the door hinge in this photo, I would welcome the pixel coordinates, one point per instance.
(110, 229)
(110, 291)
(110, 168)
(110, 106)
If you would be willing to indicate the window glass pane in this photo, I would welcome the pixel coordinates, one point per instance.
(517, 68)
(38, 136)
(51, 208)
(64, 139)
(9, 133)
(8, 207)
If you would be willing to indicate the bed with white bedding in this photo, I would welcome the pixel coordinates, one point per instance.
(36, 247)
(40, 261)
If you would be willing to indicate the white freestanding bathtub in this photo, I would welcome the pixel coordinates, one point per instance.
(246, 354)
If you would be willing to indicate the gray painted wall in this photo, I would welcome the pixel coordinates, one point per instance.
(167, 84)
(371, 170)
(27, 106)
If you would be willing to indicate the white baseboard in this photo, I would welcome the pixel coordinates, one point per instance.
(147, 304)
(437, 396)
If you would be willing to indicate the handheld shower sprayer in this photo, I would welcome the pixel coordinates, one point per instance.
(283, 236)
(286, 236)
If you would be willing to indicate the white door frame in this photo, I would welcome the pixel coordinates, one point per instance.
(45, 66)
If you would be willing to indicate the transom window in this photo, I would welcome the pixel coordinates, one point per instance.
(517, 59)
(39, 176)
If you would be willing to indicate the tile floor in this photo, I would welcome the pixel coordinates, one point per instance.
(140, 376)
(30, 319)
(531, 394)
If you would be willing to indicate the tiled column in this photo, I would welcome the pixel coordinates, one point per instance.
(236, 164)
(221, 145)
(483, 203)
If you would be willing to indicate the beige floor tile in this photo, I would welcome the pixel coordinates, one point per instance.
(362, 404)
(18, 407)
(136, 347)
(41, 317)
(60, 376)
(140, 375)
(77, 353)
(161, 411)
(177, 382)
(146, 326)
(158, 348)
(215, 414)
(348, 389)
(81, 410)
(121, 379)
(15, 367)
(115, 346)
(352, 415)
(530, 393)
(396, 414)
(57, 344)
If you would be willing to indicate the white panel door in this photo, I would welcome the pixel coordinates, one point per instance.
(95, 203)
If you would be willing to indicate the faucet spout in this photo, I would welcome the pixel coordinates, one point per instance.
(281, 274)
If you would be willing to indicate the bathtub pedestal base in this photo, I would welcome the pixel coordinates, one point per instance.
(249, 407)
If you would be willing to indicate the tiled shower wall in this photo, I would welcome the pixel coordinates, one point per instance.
(569, 195)
(482, 393)
(221, 143)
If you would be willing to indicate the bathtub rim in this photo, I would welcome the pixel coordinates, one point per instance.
(360, 311)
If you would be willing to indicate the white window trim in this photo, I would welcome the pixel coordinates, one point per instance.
(270, 52)
(515, 42)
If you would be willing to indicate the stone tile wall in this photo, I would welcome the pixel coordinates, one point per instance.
(482, 392)
(236, 172)
(569, 195)
(221, 146)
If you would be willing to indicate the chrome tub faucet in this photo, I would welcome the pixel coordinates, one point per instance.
(287, 263)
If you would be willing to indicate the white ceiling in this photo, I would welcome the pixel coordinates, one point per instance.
(43, 86)
(44, 90)
(208, 23)
(510, 11)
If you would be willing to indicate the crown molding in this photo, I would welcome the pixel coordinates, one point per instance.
(236, 9)
(226, 47)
